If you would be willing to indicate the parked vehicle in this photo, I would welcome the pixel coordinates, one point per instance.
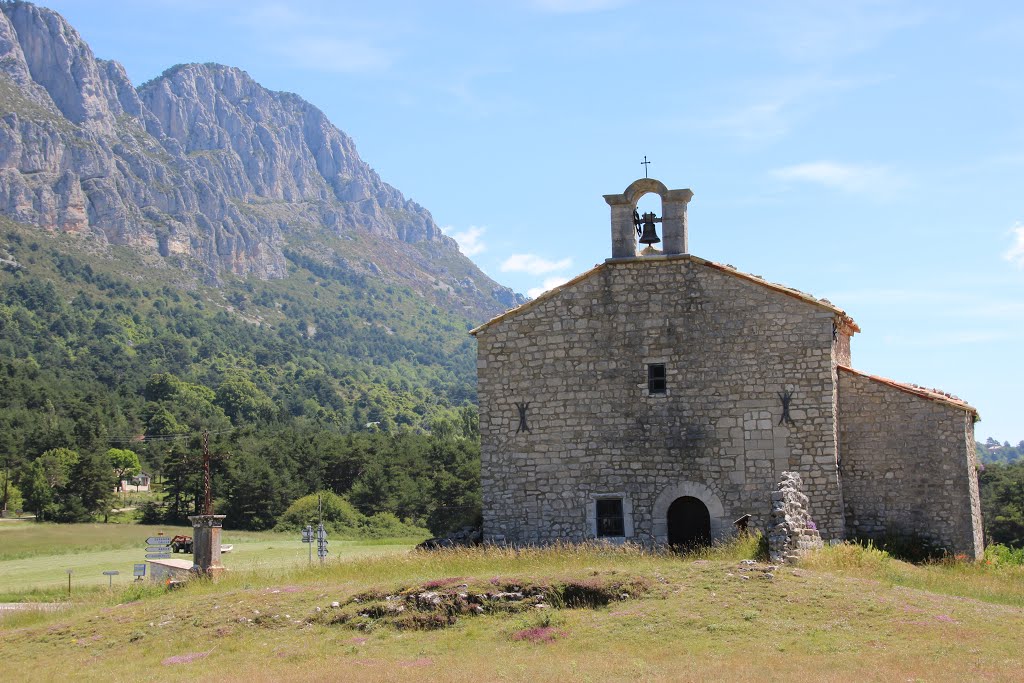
(181, 544)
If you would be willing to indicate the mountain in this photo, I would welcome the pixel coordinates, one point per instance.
(203, 171)
(200, 254)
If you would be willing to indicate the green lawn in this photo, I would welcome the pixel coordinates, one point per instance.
(36, 557)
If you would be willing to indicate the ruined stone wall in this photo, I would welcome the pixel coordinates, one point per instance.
(792, 531)
(908, 466)
(579, 359)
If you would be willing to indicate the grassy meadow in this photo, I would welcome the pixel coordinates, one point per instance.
(34, 558)
(557, 614)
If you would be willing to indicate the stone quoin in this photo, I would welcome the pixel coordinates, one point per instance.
(665, 396)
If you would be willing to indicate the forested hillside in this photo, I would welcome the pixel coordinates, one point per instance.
(994, 452)
(1002, 503)
(97, 351)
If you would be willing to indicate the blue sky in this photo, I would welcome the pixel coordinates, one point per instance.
(867, 152)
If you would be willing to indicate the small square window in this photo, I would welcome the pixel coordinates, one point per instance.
(656, 383)
(610, 520)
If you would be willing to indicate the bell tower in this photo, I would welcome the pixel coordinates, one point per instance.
(627, 225)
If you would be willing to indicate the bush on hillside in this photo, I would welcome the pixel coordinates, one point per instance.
(342, 519)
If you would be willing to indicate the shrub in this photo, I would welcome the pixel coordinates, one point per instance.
(1000, 554)
(341, 518)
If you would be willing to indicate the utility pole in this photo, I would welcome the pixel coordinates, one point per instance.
(207, 501)
(7, 478)
(321, 533)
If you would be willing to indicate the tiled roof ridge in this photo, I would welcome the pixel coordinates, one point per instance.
(916, 389)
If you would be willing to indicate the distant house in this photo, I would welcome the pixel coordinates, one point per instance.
(138, 483)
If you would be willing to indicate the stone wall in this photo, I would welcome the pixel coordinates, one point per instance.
(576, 361)
(792, 531)
(908, 465)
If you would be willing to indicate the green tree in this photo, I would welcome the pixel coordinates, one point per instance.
(242, 400)
(256, 495)
(1002, 503)
(57, 464)
(124, 462)
(91, 490)
(36, 490)
(162, 423)
(339, 515)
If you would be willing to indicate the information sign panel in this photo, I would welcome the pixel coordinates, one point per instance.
(158, 540)
(140, 570)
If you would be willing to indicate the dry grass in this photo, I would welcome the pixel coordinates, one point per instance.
(847, 614)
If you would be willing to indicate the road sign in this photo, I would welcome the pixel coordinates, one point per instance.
(158, 549)
(158, 540)
(111, 573)
(158, 556)
(307, 534)
(140, 570)
(321, 542)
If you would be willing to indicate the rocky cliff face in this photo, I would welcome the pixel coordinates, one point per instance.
(203, 168)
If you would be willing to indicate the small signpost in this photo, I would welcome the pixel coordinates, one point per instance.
(307, 537)
(321, 543)
(69, 580)
(111, 573)
(158, 548)
(321, 533)
(140, 571)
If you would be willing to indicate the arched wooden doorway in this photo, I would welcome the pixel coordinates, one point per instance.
(689, 523)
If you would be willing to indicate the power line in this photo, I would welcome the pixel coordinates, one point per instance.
(142, 438)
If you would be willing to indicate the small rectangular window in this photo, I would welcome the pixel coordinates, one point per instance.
(656, 383)
(610, 520)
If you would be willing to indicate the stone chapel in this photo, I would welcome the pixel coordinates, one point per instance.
(664, 418)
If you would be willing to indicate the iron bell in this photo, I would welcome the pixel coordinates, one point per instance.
(649, 234)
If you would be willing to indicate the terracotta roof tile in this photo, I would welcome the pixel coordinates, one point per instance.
(923, 392)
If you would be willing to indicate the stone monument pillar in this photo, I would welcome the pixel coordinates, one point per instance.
(206, 545)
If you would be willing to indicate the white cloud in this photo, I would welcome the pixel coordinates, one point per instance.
(333, 54)
(549, 283)
(768, 110)
(533, 264)
(1015, 254)
(319, 41)
(828, 30)
(469, 240)
(755, 121)
(845, 177)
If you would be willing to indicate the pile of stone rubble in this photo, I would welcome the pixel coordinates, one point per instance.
(791, 532)
(464, 537)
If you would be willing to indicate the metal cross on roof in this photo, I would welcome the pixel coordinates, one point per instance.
(645, 164)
